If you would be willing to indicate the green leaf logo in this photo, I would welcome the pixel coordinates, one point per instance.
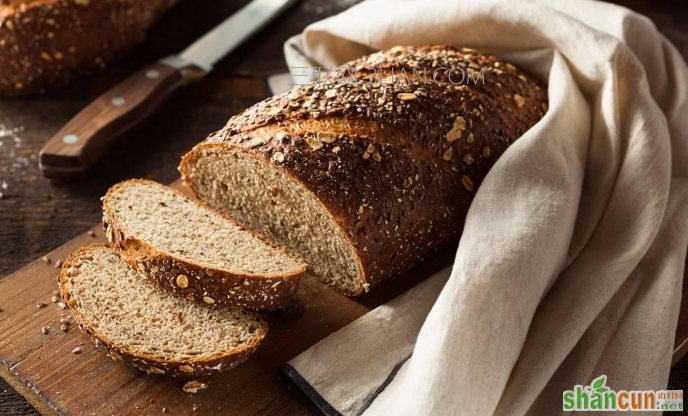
(599, 382)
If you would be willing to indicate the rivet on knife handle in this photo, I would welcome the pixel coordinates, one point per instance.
(79, 144)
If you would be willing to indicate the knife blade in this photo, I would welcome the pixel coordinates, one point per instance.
(75, 148)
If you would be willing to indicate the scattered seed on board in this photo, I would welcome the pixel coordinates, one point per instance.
(58, 264)
(193, 386)
(45, 259)
(45, 330)
(91, 233)
(164, 410)
(41, 305)
(61, 305)
(64, 327)
(76, 350)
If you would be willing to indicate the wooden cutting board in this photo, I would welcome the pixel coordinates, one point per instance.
(56, 381)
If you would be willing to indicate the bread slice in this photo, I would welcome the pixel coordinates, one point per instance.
(147, 327)
(194, 252)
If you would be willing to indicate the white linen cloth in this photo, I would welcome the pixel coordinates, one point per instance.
(571, 261)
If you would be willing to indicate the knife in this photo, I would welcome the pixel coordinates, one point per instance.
(85, 138)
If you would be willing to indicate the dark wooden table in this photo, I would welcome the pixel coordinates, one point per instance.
(38, 215)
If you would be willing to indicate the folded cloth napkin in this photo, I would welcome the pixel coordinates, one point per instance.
(571, 261)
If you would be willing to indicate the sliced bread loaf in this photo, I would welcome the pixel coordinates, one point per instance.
(365, 179)
(193, 251)
(147, 327)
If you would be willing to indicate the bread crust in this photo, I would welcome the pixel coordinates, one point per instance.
(48, 43)
(406, 160)
(147, 362)
(204, 283)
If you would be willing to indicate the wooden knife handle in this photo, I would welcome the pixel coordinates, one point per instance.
(78, 145)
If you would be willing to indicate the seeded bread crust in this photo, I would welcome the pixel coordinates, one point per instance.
(48, 43)
(149, 363)
(396, 166)
(199, 283)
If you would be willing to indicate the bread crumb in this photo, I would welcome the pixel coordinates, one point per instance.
(76, 350)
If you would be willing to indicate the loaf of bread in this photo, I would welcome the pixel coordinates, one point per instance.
(365, 179)
(194, 252)
(47, 43)
(146, 327)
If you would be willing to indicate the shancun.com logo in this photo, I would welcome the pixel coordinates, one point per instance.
(597, 396)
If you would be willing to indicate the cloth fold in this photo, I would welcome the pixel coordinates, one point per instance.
(571, 261)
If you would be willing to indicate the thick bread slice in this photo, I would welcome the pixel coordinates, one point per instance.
(194, 252)
(148, 328)
(365, 179)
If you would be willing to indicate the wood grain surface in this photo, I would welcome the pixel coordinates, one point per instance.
(38, 215)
